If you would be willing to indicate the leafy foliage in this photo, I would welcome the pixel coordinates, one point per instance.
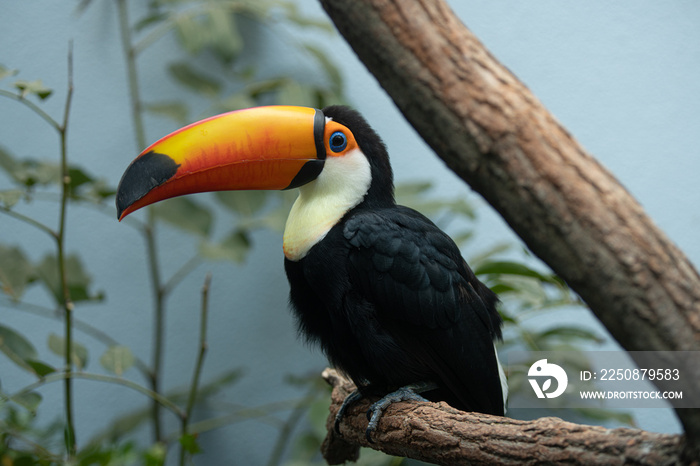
(117, 359)
(16, 272)
(218, 30)
(17, 348)
(29, 174)
(218, 67)
(22, 442)
(6, 72)
(77, 281)
(78, 353)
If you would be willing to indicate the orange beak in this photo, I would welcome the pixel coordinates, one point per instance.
(258, 148)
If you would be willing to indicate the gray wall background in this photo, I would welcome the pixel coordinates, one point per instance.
(622, 77)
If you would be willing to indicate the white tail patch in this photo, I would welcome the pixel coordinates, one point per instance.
(504, 381)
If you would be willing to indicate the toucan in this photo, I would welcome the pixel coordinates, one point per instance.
(383, 291)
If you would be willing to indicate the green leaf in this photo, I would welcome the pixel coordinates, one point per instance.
(194, 79)
(223, 36)
(214, 29)
(10, 197)
(40, 368)
(40, 172)
(258, 89)
(117, 359)
(111, 454)
(185, 214)
(295, 93)
(485, 256)
(234, 248)
(433, 207)
(16, 272)
(83, 186)
(6, 72)
(175, 110)
(462, 207)
(189, 33)
(35, 87)
(79, 353)
(96, 190)
(29, 400)
(78, 177)
(155, 455)
(77, 279)
(8, 162)
(570, 332)
(502, 288)
(244, 203)
(29, 172)
(462, 237)
(515, 268)
(411, 189)
(16, 347)
(150, 19)
(413, 194)
(190, 444)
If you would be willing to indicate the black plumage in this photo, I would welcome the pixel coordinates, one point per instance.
(391, 301)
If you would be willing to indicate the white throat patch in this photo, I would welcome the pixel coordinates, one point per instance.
(342, 185)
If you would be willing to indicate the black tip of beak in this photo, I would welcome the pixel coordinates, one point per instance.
(145, 173)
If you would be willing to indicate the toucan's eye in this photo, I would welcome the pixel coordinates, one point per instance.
(338, 141)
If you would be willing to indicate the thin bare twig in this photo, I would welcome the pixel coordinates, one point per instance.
(192, 398)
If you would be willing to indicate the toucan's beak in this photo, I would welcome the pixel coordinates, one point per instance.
(258, 148)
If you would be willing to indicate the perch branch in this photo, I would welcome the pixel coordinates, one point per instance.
(437, 433)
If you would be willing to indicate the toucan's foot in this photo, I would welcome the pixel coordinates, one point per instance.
(407, 393)
(350, 399)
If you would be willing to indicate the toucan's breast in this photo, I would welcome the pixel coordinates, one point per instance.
(342, 185)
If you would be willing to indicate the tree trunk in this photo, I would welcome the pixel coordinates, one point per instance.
(568, 209)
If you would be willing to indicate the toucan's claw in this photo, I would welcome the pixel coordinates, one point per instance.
(376, 409)
(350, 399)
(407, 393)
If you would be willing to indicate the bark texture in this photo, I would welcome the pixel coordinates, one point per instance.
(440, 434)
(495, 134)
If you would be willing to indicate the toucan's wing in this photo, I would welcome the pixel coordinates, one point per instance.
(424, 292)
